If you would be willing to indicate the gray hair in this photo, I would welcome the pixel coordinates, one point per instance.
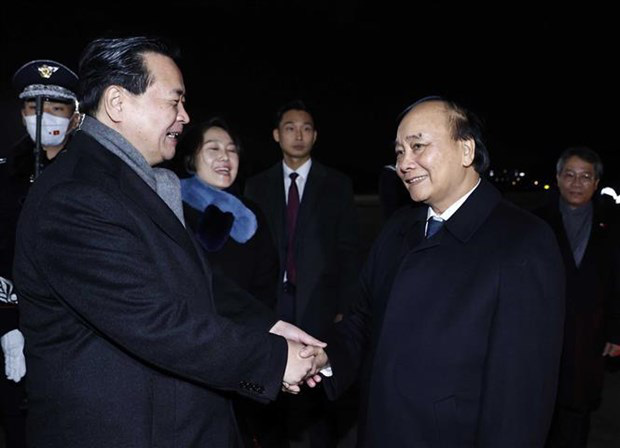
(584, 153)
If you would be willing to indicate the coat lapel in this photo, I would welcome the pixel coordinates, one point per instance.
(412, 232)
(596, 237)
(309, 201)
(307, 212)
(468, 218)
(154, 207)
(556, 223)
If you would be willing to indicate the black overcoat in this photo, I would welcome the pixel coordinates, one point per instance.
(123, 345)
(461, 333)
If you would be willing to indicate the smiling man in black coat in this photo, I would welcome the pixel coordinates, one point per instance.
(587, 233)
(123, 344)
(459, 328)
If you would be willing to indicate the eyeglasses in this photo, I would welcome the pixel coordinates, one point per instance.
(582, 178)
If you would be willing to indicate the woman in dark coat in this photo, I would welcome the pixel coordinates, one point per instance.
(231, 229)
(234, 235)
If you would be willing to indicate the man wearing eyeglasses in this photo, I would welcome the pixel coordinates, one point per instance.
(589, 246)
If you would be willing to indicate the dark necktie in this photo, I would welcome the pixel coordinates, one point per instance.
(292, 207)
(434, 225)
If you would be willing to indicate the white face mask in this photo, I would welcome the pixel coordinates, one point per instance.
(53, 128)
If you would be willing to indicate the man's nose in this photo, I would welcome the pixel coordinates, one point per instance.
(182, 116)
(407, 161)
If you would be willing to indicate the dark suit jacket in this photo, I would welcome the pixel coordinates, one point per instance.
(123, 346)
(592, 306)
(463, 331)
(326, 240)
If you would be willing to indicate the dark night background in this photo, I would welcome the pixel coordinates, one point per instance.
(541, 78)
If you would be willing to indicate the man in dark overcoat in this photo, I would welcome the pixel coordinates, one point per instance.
(587, 233)
(459, 329)
(123, 344)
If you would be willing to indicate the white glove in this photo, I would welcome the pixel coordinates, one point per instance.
(6, 291)
(14, 361)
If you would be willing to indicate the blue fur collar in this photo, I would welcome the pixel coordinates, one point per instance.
(200, 195)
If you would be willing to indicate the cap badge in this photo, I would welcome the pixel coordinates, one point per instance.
(46, 71)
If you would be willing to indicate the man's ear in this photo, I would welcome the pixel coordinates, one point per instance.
(276, 135)
(112, 102)
(469, 151)
(73, 121)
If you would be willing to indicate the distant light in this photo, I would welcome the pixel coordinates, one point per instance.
(546, 187)
(514, 183)
(535, 182)
(611, 192)
(522, 174)
(491, 173)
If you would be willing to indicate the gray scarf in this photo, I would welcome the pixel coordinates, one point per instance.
(577, 224)
(164, 182)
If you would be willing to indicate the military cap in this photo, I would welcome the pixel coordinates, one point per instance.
(44, 77)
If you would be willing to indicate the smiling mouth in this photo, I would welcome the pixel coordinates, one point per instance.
(416, 180)
(173, 135)
(223, 171)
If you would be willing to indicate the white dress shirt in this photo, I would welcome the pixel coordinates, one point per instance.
(303, 172)
(447, 214)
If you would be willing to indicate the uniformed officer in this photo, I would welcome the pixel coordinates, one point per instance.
(48, 92)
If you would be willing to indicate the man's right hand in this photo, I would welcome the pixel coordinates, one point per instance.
(297, 367)
(319, 361)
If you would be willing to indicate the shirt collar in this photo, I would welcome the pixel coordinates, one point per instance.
(447, 214)
(303, 170)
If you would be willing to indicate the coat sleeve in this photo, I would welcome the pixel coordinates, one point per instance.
(525, 344)
(92, 254)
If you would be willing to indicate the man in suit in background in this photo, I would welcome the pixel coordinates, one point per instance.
(459, 327)
(588, 236)
(123, 344)
(311, 213)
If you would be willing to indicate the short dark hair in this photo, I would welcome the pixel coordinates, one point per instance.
(584, 153)
(292, 105)
(191, 142)
(117, 61)
(464, 125)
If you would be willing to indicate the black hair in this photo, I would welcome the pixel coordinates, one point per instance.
(191, 142)
(292, 105)
(117, 61)
(584, 153)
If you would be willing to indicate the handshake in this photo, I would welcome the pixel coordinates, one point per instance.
(306, 357)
